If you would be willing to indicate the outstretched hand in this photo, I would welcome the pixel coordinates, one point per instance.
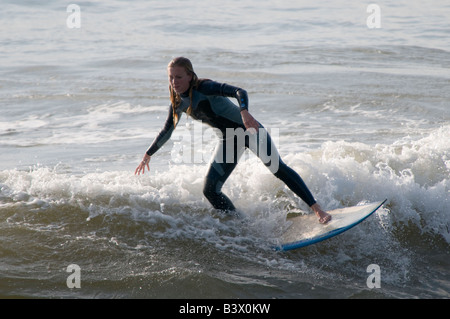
(141, 167)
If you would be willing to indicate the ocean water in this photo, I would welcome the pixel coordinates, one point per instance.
(363, 114)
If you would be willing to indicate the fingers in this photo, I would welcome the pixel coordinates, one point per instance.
(138, 170)
(252, 130)
(255, 125)
(252, 125)
(249, 122)
(141, 168)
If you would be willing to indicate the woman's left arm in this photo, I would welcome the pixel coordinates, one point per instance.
(249, 121)
(210, 87)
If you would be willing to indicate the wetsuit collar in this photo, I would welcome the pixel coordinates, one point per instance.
(185, 94)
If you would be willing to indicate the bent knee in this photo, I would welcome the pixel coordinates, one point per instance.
(207, 191)
(212, 188)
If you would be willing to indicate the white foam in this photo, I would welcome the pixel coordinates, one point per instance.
(412, 175)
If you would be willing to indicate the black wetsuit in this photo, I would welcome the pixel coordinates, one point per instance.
(210, 104)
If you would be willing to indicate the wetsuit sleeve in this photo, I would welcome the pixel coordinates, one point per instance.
(209, 87)
(164, 135)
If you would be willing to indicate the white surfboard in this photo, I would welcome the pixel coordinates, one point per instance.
(306, 230)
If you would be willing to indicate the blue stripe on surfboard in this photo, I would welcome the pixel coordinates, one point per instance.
(332, 233)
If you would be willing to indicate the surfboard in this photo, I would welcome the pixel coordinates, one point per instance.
(306, 230)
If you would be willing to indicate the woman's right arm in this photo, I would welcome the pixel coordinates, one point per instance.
(163, 136)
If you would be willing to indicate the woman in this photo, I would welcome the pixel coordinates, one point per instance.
(207, 101)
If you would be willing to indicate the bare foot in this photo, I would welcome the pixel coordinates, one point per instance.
(323, 216)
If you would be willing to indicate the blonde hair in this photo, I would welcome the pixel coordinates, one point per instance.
(175, 98)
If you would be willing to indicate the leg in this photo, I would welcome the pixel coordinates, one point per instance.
(218, 173)
(298, 186)
(267, 152)
(215, 178)
(294, 182)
